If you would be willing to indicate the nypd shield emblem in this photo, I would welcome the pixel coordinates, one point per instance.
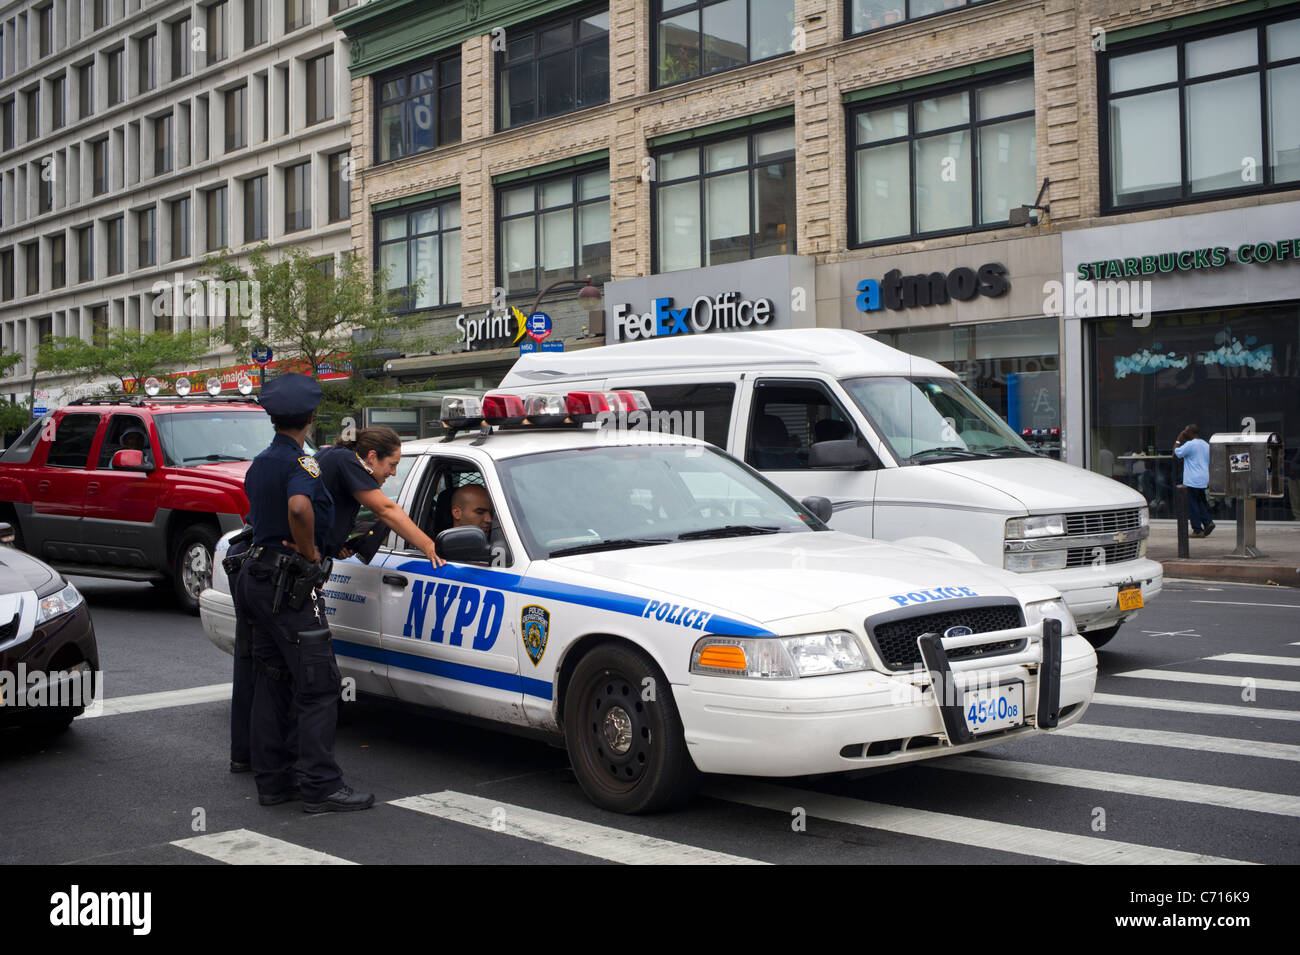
(310, 466)
(535, 624)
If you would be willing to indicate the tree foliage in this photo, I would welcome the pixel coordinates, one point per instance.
(126, 354)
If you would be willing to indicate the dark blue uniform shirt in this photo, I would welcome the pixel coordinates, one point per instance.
(277, 474)
(344, 473)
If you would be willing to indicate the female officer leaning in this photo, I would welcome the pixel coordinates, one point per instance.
(353, 472)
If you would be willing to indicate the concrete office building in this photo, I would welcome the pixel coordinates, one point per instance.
(135, 138)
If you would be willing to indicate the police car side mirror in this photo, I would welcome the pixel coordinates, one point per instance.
(842, 455)
(129, 460)
(820, 507)
(463, 544)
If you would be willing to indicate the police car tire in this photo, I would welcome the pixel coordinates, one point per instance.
(198, 534)
(1099, 638)
(656, 772)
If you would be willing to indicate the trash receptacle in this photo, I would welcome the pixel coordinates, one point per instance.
(1246, 466)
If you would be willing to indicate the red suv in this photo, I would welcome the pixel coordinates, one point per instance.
(133, 488)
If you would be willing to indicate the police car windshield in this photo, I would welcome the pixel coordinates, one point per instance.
(932, 419)
(636, 495)
(207, 437)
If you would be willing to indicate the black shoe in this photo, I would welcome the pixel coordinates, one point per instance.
(274, 799)
(343, 799)
(1209, 528)
(237, 767)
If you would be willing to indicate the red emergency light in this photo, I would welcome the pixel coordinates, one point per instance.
(503, 409)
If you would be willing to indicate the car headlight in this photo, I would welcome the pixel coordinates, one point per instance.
(781, 658)
(1022, 561)
(1043, 525)
(65, 601)
(1144, 516)
(1042, 609)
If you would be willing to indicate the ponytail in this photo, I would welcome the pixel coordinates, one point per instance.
(383, 441)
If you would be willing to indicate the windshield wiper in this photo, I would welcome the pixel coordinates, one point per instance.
(1007, 449)
(213, 457)
(731, 530)
(945, 451)
(617, 544)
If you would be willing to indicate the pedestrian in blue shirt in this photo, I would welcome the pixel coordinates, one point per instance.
(1195, 454)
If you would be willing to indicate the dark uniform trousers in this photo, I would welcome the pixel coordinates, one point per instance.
(241, 693)
(295, 681)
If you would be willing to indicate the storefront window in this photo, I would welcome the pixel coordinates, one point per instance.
(1222, 370)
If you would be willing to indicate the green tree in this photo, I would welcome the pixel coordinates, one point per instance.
(126, 354)
(14, 415)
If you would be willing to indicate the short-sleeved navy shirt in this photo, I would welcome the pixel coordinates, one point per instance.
(277, 474)
(344, 473)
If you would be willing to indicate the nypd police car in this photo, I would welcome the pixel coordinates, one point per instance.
(668, 611)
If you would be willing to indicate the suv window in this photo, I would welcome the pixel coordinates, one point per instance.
(787, 418)
(73, 437)
(20, 452)
(125, 432)
(695, 410)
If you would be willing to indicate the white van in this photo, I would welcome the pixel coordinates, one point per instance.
(897, 444)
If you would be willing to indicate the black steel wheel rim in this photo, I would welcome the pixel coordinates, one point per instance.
(619, 737)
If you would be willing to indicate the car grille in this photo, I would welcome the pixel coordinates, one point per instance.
(1103, 522)
(1114, 554)
(895, 640)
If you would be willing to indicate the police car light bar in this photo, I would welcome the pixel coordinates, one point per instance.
(503, 409)
(461, 411)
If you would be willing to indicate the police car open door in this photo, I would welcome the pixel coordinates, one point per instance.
(447, 632)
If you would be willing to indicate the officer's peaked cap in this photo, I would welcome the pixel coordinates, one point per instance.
(290, 395)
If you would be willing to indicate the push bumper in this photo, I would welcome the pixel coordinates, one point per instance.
(217, 611)
(864, 720)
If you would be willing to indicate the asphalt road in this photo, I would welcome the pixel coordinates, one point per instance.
(1173, 763)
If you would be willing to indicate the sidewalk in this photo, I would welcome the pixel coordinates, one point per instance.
(1209, 560)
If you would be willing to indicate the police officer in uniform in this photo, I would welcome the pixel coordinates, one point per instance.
(295, 674)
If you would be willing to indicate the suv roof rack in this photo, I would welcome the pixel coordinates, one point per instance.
(140, 400)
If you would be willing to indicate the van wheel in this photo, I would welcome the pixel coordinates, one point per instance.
(628, 753)
(192, 565)
(1099, 638)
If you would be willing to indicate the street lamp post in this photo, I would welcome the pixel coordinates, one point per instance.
(589, 292)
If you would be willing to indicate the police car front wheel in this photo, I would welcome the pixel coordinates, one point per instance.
(624, 734)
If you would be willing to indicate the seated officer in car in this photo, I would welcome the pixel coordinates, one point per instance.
(472, 507)
(295, 671)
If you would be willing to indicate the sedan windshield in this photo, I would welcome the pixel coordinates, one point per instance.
(206, 437)
(606, 498)
(933, 419)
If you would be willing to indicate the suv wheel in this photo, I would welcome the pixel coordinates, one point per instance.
(192, 565)
(1099, 638)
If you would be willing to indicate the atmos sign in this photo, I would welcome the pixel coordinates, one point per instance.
(897, 291)
(726, 310)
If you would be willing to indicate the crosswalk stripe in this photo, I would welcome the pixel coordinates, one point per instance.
(961, 830)
(1257, 658)
(1209, 744)
(160, 700)
(245, 847)
(1213, 679)
(562, 832)
(1194, 706)
(1244, 603)
(1201, 793)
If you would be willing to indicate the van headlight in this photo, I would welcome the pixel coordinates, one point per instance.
(1042, 609)
(779, 658)
(1043, 525)
(56, 604)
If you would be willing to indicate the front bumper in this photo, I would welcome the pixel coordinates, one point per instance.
(1092, 593)
(217, 611)
(854, 721)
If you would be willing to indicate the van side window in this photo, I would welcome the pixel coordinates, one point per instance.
(787, 418)
(695, 410)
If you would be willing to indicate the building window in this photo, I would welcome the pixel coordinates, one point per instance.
(58, 103)
(180, 214)
(555, 68)
(145, 52)
(297, 13)
(217, 49)
(297, 197)
(86, 254)
(114, 61)
(418, 109)
(162, 145)
(33, 113)
(115, 241)
(86, 90)
(7, 274)
(1210, 115)
(255, 209)
(724, 201)
(236, 113)
(145, 221)
(45, 180)
(320, 89)
(100, 14)
(58, 261)
(340, 187)
(99, 167)
(33, 260)
(420, 249)
(7, 122)
(180, 30)
(45, 28)
(942, 162)
(254, 23)
(556, 228)
(338, 6)
(695, 39)
(866, 15)
(215, 200)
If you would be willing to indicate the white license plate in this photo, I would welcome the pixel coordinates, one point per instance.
(991, 708)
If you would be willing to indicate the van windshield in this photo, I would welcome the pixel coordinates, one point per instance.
(933, 419)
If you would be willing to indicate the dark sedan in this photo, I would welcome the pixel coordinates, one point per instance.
(49, 662)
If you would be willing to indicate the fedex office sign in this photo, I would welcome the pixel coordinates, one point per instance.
(726, 310)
